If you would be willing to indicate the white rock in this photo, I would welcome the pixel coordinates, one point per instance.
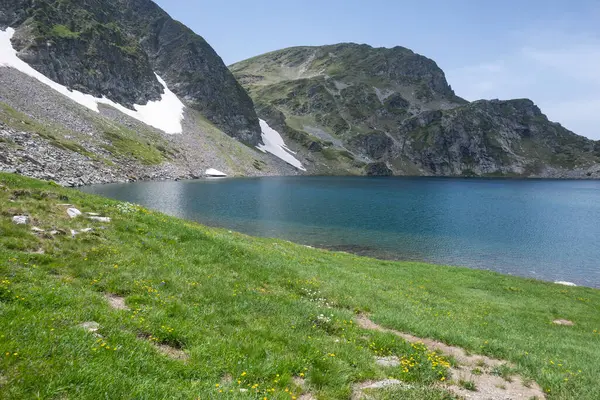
(211, 172)
(90, 326)
(93, 214)
(100, 219)
(392, 361)
(73, 212)
(20, 219)
(565, 283)
(37, 230)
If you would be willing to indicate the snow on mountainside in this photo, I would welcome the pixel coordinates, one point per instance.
(274, 144)
(165, 114)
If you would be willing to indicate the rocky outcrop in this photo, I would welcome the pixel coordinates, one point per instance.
(114, 48)
(378, 169)
(30, 155)
(495, 137)
(395, 107)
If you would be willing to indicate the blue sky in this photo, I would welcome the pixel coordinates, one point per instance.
(548, 51)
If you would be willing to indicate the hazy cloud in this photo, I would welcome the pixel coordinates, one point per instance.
(560, 72)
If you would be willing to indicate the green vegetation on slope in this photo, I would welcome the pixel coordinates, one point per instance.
(396, 107)
(259, 314)
(142, 144)
(54, 134)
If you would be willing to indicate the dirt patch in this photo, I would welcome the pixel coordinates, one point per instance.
(358, 391)
(300, 382)
(564, 322)
(307, 396)
(172, 352)
(486, 385)
(163, 348)
(116, 302)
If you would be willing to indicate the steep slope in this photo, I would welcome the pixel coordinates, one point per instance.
(351, 108)
(100, 91)
(115, 49)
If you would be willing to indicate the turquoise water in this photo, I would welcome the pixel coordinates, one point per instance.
(545, 229)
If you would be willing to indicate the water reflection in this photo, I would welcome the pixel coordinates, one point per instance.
(544, 229)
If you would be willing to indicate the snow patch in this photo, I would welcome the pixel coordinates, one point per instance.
(565, 283)
(165, 114)
(274, 144)
(211, 172)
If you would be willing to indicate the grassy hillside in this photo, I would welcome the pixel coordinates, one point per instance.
(152, 307)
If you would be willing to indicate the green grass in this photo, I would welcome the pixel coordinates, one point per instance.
(125, 142)
(257, 311)
(468, 385)
(143, 145)
(54, 134)
(62, 31)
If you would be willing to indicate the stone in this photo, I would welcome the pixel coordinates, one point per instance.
(392, 361)
(90, 326)
(73, 212)
(20, 219)
(564, 322)
(378, 169)
(100, 219)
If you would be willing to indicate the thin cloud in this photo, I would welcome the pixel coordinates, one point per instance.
(559, 71)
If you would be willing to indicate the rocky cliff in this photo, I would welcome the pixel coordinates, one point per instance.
(351, 108)
(114, 48)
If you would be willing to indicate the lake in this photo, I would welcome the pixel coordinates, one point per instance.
(545, 229)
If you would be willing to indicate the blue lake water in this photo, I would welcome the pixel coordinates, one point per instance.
(545, 229)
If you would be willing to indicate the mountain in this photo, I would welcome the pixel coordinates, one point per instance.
(116, 48)
(350, 108)
(98, 91)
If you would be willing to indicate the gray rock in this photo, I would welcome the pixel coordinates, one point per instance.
(119, 61)
(392, 361)
(378, 169)
(90, 326)
(20, 219)
(73, 212)
(100, 219)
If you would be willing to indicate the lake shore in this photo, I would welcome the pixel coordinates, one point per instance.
(209, 312)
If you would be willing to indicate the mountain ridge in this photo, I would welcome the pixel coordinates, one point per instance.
(393, 106)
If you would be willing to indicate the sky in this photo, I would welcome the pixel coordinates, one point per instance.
(548, 51)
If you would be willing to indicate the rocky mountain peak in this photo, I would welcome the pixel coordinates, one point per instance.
(351, 106)
(114, 48)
